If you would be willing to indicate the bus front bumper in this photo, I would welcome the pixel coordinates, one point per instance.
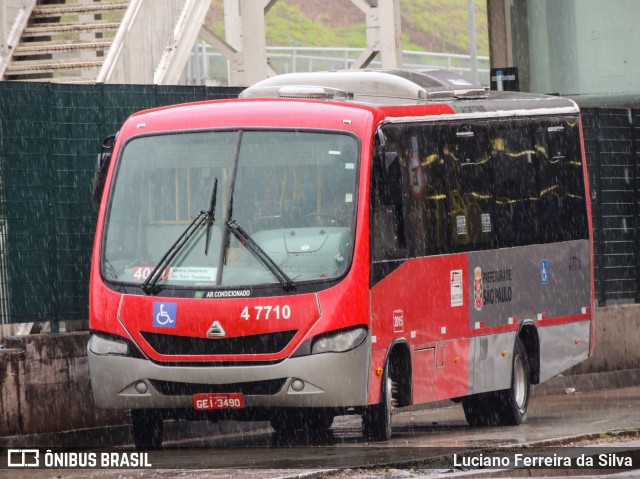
(332, 380)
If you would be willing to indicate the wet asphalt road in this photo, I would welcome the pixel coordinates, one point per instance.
(563, 420)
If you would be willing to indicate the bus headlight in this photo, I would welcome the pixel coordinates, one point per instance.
(103, 346)
(339, 341)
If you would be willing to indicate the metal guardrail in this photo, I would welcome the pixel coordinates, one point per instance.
(206, 66)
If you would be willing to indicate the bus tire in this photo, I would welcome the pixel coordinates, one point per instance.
(147, 428)
(515, 400)
(376, 419)
(507, 407)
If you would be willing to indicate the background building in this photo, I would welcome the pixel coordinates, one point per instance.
(568, 47)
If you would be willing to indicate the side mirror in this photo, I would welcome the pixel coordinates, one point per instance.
(102, 165)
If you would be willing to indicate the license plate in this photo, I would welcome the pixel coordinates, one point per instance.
(208, 401)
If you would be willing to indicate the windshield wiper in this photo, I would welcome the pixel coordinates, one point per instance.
(248, 242)
(231, 226)
(149, 284)
(210, 216)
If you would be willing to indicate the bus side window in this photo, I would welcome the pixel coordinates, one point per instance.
(428, 206)
(561, 183)
(388, 226)
(458, 217)
(469, 208)
(474, 182)
(515, 188)
(550, 155)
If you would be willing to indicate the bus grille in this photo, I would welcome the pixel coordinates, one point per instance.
(169, 388)
(171, 345)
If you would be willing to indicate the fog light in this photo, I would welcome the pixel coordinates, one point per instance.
(297, 385)
(141, 387)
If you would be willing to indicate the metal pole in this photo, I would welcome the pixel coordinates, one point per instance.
(472, 41)
(205, 63)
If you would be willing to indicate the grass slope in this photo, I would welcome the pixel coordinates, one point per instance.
(427, 25)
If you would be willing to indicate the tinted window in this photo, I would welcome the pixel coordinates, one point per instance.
(388, 199)
(562, 193)
(448, 187)
(515, 184)
(294, 193)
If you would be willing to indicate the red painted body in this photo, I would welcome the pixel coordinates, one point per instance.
(399, 308)
(429, 322)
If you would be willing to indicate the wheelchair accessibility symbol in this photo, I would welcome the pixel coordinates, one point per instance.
(165, 315)
(544, 271)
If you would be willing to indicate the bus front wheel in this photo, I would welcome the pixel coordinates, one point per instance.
(376, 420)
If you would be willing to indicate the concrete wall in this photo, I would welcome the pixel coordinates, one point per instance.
(617, 341)
(44, 386)
(44, 379)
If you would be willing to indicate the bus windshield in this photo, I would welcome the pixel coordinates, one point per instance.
(290, 194)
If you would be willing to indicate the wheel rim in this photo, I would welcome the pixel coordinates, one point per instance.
(519, 383)
(388, 410)
(388, 397)
(377, 419)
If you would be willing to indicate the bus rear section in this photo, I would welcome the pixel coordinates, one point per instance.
(484, 286)
(346, 243)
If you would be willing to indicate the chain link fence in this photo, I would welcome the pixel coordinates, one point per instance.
(50, 136)
(612, 141)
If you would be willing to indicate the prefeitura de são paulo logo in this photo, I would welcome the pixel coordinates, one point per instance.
(477, 288)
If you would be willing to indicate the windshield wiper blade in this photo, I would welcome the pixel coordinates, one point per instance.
(149, 284)
(247, 241)
(232, 226)
(224, 244)
(211, 216)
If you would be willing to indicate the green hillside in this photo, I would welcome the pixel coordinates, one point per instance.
(427, 25)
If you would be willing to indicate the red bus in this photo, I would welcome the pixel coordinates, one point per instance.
(340, 243)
